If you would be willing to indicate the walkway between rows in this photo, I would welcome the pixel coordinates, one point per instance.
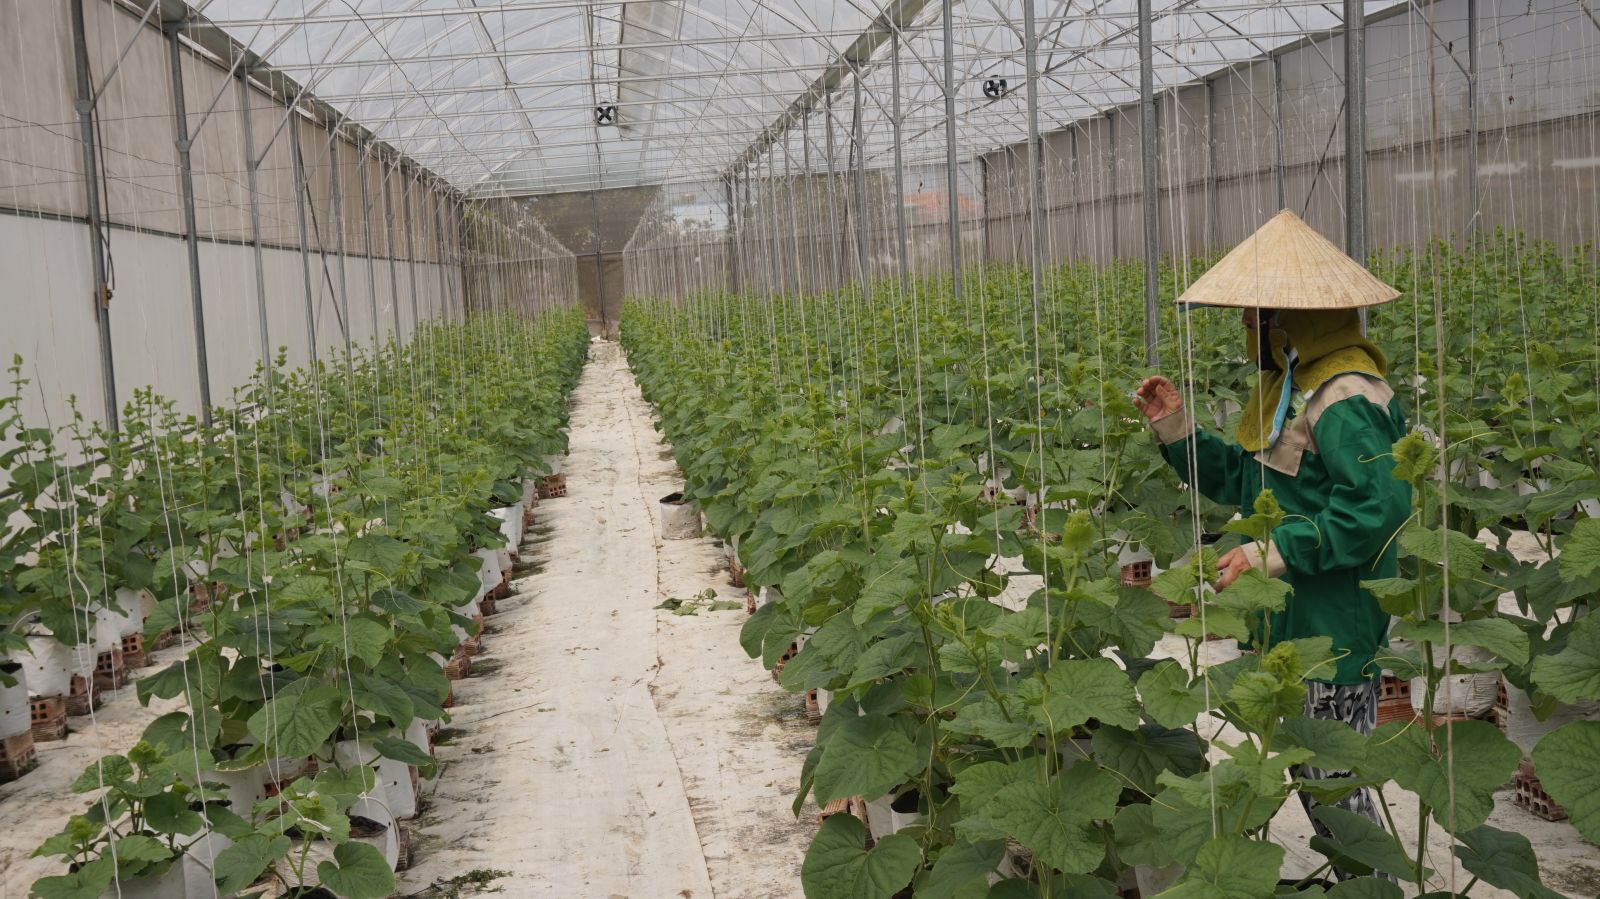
(603, 747)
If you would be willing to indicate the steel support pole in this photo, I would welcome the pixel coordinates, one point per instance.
(301, 189)
(335, 188)
(857, 132)
(903, 259)
(1116, 183)
(1211, 165)
(1152, 191)
(1474, 199)
(91, 182)
(366, 228)
(252, 166)
(1030, 53)
(388, 248)
(1278, 166)
(411, 256)
(951, 180)
(180, 129)
(732, 257)
(1355, 131)
(599, 262)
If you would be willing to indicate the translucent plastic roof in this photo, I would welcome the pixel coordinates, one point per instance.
(502, 97)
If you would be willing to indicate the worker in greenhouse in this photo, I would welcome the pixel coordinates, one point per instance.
(1317, 430)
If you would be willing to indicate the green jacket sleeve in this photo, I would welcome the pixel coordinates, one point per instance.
(1223, 472)
(1365, 506)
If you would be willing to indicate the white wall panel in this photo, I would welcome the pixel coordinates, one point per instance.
(48, 312)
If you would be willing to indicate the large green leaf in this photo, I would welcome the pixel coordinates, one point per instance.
(1568, 762)
(358, 638)
(1360, 846)
(1428, 544)
(1337, 745)
(357, 871)
(169, 813)
(1169, 698)
(865, 756)
(1080, 690)
(1142, 754)
(1504, 859)
(1580, 554)
(1230, 867)
(1004, 722)
(1483, 761)
(1057, 819)
(962, 870)
(88, 882)
(1573, 674)
(1366, 888)
(1497, 635)
(296, 724)
(838, 865)
(1135, 618)
(384, 697)
(242, 863)
(1139, 840)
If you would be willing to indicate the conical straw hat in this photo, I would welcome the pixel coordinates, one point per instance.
(1287, 265)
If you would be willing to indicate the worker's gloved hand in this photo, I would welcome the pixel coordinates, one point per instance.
(1157, 398)
(1240, 559)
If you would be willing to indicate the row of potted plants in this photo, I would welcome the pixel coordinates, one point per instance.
(321, 549)
(935, 494)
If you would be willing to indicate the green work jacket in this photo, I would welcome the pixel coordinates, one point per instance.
(1332, 471)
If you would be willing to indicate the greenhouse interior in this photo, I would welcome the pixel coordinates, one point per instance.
(841, 449)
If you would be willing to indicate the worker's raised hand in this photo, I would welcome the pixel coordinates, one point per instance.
(1157, 398)
(1233, 563)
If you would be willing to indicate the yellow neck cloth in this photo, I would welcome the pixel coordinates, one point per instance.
(1326, 342)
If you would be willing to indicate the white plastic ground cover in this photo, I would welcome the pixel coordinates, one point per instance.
(501, 97)
(615, 749)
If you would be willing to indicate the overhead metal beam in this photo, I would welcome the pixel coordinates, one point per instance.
(896, 15)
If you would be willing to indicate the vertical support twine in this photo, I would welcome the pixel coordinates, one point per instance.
(252, 167)
(1152, 194)
(1212, 236)
(411, 256)
(857, 136)
(953, 205)
(1474, 199)
(1355, 135)
(903, 257)
(731, 256)
(335, 189)
(365, 150)
(191, 237)
(1277, 129)
(91, 182)
(302, 187)
(1030, 51)
(388, 246)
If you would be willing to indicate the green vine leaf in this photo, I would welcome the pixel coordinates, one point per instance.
(1080, 690)
(1230, 867)
(1057, 819)
(838, 865)
(1568, 762)
(1483, 762)
(868, 755)
(357, 871)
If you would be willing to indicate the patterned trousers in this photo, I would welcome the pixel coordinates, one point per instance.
(1357, 706)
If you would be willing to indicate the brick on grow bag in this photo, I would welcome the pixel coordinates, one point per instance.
(134, 654)
(110, 671)
(84, 696)
(48, 715)
(552, 486)
(1528, 793)
(17, 756)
